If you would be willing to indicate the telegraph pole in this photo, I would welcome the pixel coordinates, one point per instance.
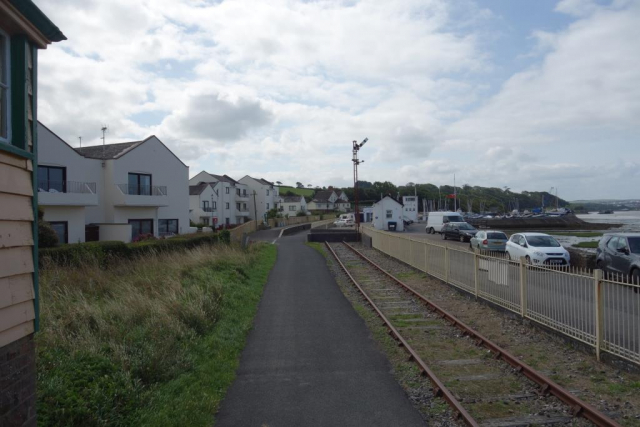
(356, 162)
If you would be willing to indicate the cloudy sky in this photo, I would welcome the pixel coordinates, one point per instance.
(526, 94)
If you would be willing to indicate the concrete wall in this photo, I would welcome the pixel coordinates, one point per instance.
(120, 232)
(75, 217)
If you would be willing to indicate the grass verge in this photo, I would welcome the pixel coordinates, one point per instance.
(155, 341)
(577, 233)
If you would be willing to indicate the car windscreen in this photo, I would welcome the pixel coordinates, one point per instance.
(542, 242)
(634, 244)
(464, 227)
(497, 236)
(455, 218)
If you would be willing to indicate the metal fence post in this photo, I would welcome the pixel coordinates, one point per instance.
(410, 253)
(476, 267)
(597, 279)
(446, 264)
(426, 257)
(523, 286)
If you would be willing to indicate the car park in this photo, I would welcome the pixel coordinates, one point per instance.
(458, 231)
(537, 249)
(435, 220)
(489, 240)
(619, 253)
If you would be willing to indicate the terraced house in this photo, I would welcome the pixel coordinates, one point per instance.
(113, 191)
(216, 200)
(24, 29)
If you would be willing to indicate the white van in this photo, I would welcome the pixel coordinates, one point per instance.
(436, 220)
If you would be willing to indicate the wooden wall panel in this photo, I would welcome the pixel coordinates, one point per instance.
(15, 333)
(14, 207)
(16, 289)
(14, 180)
(14, 261)
(16, 314)
(12, 160)
(15, 233)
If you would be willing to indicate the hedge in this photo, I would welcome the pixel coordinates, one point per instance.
(108, 252)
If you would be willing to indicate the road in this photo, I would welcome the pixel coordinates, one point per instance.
(416, 231)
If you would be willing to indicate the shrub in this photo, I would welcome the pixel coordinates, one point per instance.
(47, 237)
(225, 236)
(301, 213)
(143, 237)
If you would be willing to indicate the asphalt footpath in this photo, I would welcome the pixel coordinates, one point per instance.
(310, 359)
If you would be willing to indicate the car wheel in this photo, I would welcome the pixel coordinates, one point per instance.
(635, 279)
(432, 231)
(599, 265)
(444, 236)
(528, 259)
(461, 239)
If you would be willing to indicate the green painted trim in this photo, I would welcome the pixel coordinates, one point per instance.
(41, 21)
(34, 136)
(16, 151)
(19, 94)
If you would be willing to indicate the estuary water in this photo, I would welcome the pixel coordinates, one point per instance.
(630, 220)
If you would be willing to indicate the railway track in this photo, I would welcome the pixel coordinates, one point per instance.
(484, 384)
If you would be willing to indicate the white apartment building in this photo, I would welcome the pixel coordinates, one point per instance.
(410, 204)
(291, 205)
(217, 200)
(323, 201)
(112, 191)
(266, 196)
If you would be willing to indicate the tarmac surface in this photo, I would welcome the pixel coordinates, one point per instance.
(310, 359)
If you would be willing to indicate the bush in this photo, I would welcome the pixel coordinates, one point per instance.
(301, 213)
(106, 253)
(47, 237)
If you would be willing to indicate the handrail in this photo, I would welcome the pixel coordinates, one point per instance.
(143, 190)
(47, 186)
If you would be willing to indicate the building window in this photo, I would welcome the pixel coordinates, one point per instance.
(62, 230)
(215, 205)
(244, 206)
(267, 206)
(292, 208)
(167, 226)
(267, 192)
(205, 220)
(226, 205)
(226, 221)
(244, 192)
(4, 88)
(140, 226)
(389, 214)
(52, 179)
(238, 206)
(238, 191)
(226, 190)
(205, 204)
(140, 184)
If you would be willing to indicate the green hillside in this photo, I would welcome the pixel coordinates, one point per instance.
(306, 192)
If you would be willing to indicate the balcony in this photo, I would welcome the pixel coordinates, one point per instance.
(242, 213)
(242, 197)
(208, 210)
(140, 195)
(67, 193)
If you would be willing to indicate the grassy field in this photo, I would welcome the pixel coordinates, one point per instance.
(154, 341)
(577, 233)
(306, 192)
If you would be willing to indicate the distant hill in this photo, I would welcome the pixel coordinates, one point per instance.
(490, 199)
(306, 192)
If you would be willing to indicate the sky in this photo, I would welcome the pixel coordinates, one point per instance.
(527, 94)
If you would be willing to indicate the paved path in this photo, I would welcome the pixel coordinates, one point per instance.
(310, 360)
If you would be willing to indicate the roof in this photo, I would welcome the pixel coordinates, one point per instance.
(340, 201)
(291, 199)
(108, 151)
(323, 196)
(39, 20)
(196, 190)
(115, 151)
(390, 198)
(224, 178)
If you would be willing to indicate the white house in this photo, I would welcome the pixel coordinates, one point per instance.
(264, 196)
(291, 205)
(112, 191)
(410, 204)
(385, 211)
(221, 200)
(323, 201)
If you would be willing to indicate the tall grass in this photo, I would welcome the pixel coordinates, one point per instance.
(113, 339)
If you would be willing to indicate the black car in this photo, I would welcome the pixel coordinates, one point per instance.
(458, 231)
(620, 253)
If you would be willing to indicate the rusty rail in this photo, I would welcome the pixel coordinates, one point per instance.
(440, 389)
(578, 407)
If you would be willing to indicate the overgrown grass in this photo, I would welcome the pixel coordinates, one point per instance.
(307, 192)
(590, 245)
(154, 341)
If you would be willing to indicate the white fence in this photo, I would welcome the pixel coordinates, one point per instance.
(599, 311)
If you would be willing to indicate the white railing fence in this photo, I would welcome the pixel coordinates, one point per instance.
(600, 311)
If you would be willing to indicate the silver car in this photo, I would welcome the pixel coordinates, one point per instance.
(489, 240)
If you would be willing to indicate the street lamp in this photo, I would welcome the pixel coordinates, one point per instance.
(356, 162)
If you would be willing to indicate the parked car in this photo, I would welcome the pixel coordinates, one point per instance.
(620, 253)
(407, 221)
(344, 222)
(490, 240)
(458, 231)
(537, 248)
(436, 220)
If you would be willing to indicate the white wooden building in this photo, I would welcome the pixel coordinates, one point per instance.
(410, 204)
(385, 211)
